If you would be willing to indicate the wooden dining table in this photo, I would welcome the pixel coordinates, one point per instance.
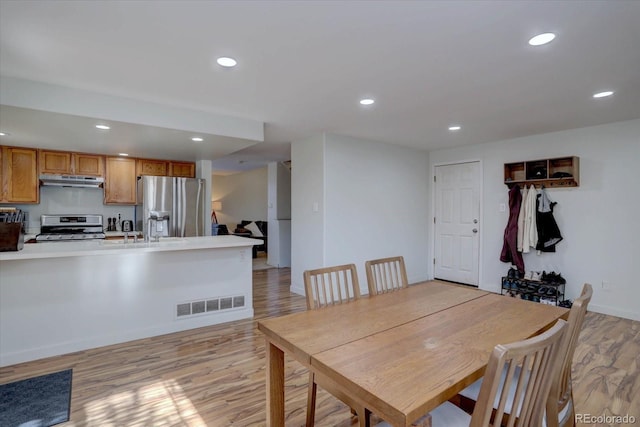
(400, 354)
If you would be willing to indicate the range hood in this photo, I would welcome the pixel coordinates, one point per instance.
(72, 181)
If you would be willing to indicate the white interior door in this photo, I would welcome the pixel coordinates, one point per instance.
(457, 222)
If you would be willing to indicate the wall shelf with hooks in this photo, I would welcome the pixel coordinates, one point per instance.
(552, 173)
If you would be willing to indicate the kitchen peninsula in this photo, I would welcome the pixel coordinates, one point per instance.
(57, 298)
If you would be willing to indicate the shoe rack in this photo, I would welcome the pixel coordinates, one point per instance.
(533, 290)
(556, 172)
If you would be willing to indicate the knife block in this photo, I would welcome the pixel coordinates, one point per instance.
(11, 236)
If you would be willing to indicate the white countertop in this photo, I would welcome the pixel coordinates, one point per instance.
(106, 247)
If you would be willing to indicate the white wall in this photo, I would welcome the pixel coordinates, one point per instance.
(372, 203)
(598, 219)
(307, 223)
(279, 191)
(243, 196)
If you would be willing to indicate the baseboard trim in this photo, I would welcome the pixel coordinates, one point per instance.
(612, 311)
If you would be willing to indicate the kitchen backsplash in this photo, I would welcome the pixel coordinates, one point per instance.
(64, 200)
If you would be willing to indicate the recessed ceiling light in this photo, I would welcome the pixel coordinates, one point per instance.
(603, 94)
(367, 101)
(4, 134)
(103, 127)
(225, 61)
(541, 39)
(197, 139)
(454, 128)
(123, 154)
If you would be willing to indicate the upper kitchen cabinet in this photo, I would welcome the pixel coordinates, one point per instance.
(182, 169)
(165, 168)
(19, 175)
(66, 163)
(151, 167)
(56, 162)
(87, 164)
(120, 181)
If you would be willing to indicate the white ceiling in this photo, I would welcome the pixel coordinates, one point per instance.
(303, 66)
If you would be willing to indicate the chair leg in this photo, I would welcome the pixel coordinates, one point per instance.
(311, 400)
(571, 416)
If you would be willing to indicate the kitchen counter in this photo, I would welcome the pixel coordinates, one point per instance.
(108, 246)
(57, 298)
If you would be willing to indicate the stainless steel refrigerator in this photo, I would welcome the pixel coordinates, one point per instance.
(182, 198)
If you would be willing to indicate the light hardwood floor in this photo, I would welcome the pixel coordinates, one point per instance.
(215, 376)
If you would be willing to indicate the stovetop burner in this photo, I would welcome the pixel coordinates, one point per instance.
(55, 228)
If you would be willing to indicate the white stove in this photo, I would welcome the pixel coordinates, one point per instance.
(56, 228)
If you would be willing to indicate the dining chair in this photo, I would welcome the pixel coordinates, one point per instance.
(503, 383)
(325, 287)
(559, 407)
(331, 285)
(386, 275)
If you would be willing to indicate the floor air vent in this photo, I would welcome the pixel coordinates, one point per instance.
(208, 306)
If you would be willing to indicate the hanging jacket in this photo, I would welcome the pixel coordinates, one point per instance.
(509, 248)
(530, 232)
(521, 218)
(548, 231)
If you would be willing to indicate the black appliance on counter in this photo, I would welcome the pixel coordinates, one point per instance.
(56, 228)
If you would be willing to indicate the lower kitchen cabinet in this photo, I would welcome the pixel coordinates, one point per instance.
(120, 181)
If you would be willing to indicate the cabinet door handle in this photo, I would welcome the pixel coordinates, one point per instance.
(475, 230)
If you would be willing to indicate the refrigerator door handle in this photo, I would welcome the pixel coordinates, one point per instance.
(197, 211)
(181, 210)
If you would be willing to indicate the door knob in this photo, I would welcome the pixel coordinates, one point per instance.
(475, 221)
(475, 230)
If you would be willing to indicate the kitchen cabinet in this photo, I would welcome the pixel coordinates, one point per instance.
(120, 181)
(182, 169)
(67, 163)
(165, 168)
(55, 162)
(556, 172)
(87, 164)
(151, 167)
(19, 175)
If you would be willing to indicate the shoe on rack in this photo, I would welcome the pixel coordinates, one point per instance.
(551, 292)
(535, 275)
(555, 278)
(542, 290)
(512, 273)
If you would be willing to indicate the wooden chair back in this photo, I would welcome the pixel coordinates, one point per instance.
(331, 285)
(528, 387)
(386, 275)
(561, 393)
(324, 287)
